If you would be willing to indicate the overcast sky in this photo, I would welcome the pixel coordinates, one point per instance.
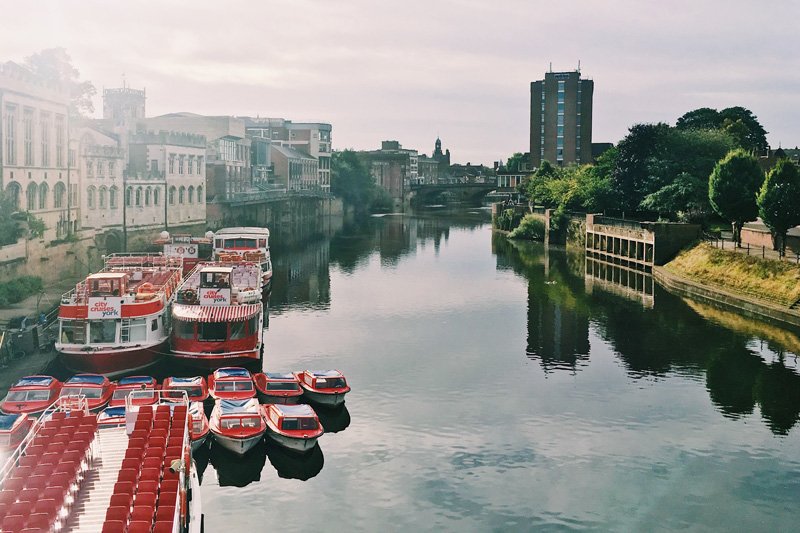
(412, 70)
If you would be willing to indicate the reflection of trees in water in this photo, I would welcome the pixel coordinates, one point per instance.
(669, 338)
(301, 277)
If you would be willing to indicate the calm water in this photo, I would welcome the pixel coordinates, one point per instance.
(498, 387)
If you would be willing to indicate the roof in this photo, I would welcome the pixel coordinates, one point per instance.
(279, 375)
(196, 380)
(135, 380)
(224, 270)
(326, 373)
(232, 372)
(290, 153)
(243, 229)
(300, 409)
(7, 421)
(107, 275)
(232, 407)
(91, 379)
(34, 381)
(198, 313)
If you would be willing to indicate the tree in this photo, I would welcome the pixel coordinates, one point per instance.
(537, 187)
(55, 65)
(631, 175)
(516, 162)
(703, 118)
(779, 201)
(738, 121)
(351, 181)
(10, 229)
(732, 188)
(686, 198)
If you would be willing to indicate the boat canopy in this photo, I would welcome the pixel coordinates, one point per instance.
(232, 313)
(91, 379)
(232, 372)
(295, 410)
(7, 421)
(111, 412)
(197, 380)
(279, 375)
(34, 381)
(136, 380)
(326, 373)
(235, 407)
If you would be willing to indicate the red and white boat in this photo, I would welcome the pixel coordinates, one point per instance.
(198, 425)
(185, 247)
(195, 388)
(296, 427)
(218, 317)
(126, 385)
(237, 425)
(325, 387)
(274, 387)
(231, 383)
(116, 320)
(97, 389)
(247, 243)
(13, 428)
(31, 395)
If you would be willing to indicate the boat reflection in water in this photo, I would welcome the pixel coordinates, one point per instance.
(333, 419)
(238, 470)
(293, 465)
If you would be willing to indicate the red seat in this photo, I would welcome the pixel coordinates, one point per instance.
(39, 521)
(169, 474)
(30, 495)
(148, 486)
(67, 469)
(168, 498)
(162, 408)
(15, 484)
(114, 526)
(48, 506)
(59, 415)
(35, 449)
(73, 456)
(138, 434)
(47, 432)
(29, 460)
(13, 523)
(173, 452)
(61, 439)
(153, 462)
(163, 527)
(53, 493)
(136, 442)
(154, 452)
(124, 487)
(161, 424)
(131, 464)
(77, 414)
(4, 510)
(8, 496)
(134, 453)
(169, 485)
(38, 482)
(159, 442)
(121, 500)
(165, 512)
(50, 458)
(63, 476)
(143, 512)
(161, 432)
(21, 509)
(23, 472)
(117, 513)
(145, 498)
(79, 447)
(128, 474)
(150, 474)
(140, 526)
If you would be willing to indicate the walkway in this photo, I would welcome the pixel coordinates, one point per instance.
(761, 251)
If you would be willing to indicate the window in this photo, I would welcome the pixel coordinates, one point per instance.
(90, 168)
(156, 196)
(190, 166)
(200, 198)
(73, 332)
(27, 132)
(102, 197)
(11, 134)
(181, 194)
(112, 197)
(237, 330)
(212, 331)
(200, 164)
(154, 166)
(154, 324)
(73, 194)
(184, 330)
(191, 194)
(252, 325)
(100, 169)
(90, 197)
(148, 196)
(60, 140)
(129, 196)
(172, 195)
(14, 190)
(30, 196)
(43, 190)
(59, 194)
(44, 127)
(102, 331)
(181, 160)
(133, 330)
(139, 196)
(111, 169)
(172, 163)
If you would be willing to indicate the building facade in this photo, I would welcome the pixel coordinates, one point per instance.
(101, 167)
(294, 170)
(561, 119)
(393, 167)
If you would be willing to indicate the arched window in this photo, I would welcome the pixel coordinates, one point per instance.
(30, 196)
(102, 197)
(44, 189)
(90, 196)
(191, 194)
(14, 191)
(59, 194)
(112, 197)
(129, 196)
(181, 194)
(156, 195)
(172, 195)
(200, 198)
(148, 196)
(139, 196)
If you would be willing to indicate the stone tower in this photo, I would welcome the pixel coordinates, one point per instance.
(123, 106)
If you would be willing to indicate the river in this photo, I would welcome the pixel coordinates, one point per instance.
(496, 386)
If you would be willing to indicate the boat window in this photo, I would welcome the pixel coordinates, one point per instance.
(299, 423)
(239, 243)
(262, 243)
(184, 330)
(191, 392)
(224, 386)
(237, 330)
(154, 324)
(102, 331)
(73, 332)
(89, 393)
(252, 325)
(133, 330)
(17, 396)
(243, 385)
(37, 395)
(330, 383)
(212, 331)
(283, 386)
(121, 394)
(105, 287)
(197, 427)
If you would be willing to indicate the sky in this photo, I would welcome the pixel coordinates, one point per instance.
(414, 70)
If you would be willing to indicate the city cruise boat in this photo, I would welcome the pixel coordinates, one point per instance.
(13, 428)
(198, 428)
(275, 387)
(116, 320)
(31, 395)
(96, 388)
(237, 425)
(185, 247)
(231, 383)
(85, 477)
(195, 387)
(126, 385)
(248, 243)
(296, 427)
(325, 387)
(218, 317)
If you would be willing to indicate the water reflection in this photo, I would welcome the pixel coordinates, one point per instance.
(238, 471)
(333, 419)
(301, 277)
(626, 282)
(293, 465)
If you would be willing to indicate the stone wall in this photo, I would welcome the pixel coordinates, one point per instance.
(53, 262)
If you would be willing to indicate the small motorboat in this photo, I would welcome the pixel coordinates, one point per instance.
(13, 428)
(111, 417)
(195, 388)
(293, 426)
(125, 386)
(237, 425)
(325, 387)
(31, 395)
(198, 425)
(96, 388)
(231, 383)
(278, 387)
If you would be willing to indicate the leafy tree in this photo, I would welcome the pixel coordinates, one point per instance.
(686, 198)
(703, 118)
(732, 188)
(635, 152)
(10, 230)
(516, 162)
(779, 201)
(55, 65)
(351, 181)
(537, 187)
(737, 121)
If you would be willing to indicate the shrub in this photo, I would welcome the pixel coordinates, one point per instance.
(530, 228)
(18, 289)
(508, 219)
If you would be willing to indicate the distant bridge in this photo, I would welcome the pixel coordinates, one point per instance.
(421, 194)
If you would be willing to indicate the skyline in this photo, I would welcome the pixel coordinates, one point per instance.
(458, 70)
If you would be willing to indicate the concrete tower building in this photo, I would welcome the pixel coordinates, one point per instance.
(561, 119)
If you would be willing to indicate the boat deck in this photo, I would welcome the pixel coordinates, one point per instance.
(245, 275)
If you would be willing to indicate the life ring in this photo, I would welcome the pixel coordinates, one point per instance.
(145, 287)
(189, 295)
(180, 250)
(191, 249)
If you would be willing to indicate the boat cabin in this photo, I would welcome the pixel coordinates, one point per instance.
(293, 417)
(215, 286)
(194, 387)
(231, 383)
(134, 383)
(323, 379)
(31, 394)
(97, 389)
(278, 387)
(111, 416)
(239, 415)
(13, 428)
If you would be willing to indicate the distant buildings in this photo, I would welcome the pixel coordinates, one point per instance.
(393, 167)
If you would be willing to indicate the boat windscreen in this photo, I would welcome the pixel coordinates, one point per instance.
(191, 392)
(121, 394)
(283, 385)
(330, 383)
(86, 378)
(240, 422)
(234, 386)
(299, 423)
(28, 396)
(232, 372)
(7, 421)
(34, 381)
(91, 393)
(136, 380)
(279, 375)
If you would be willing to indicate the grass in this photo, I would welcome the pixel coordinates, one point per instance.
(767, 279)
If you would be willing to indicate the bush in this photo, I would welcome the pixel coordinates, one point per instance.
(508, 219)
(530, 228)
(17, 290)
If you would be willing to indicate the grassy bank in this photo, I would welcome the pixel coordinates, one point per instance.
(775, 281)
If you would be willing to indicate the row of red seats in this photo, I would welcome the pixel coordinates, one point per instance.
(48, 474)
(146, 491)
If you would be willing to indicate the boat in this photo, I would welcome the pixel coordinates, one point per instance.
(195, 387)
(274, 387)
(295, 427)
(13, 428)
(117, 320)
(248, 243)
(198, 427)
(325, 387)
(31, 395)
(96, 388)
(218, 317)
(237, 425)
(231, 383)
(186, 247)
(126, 385)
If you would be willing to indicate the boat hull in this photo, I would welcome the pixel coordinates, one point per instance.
(239, 446)
(330, 400)
(113, 362)
(217, 360)
(293, 443)
(197, 444)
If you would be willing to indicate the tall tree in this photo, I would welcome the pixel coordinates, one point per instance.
(752, 135)
(351, 181)
(55, 65)
(732, 188)
(631, 176)
(779, 201)
(516, 162)
(703, 118)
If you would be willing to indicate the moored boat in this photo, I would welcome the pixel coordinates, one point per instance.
(231, 383)
(325, 387)
(116, 320)
(198, 425)
(248, 243)
(237, 425)
(126, 385)
(195, 387)
(275, 387)
(97, 389)
(31, 395)
(13, 428)
(296, 427)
